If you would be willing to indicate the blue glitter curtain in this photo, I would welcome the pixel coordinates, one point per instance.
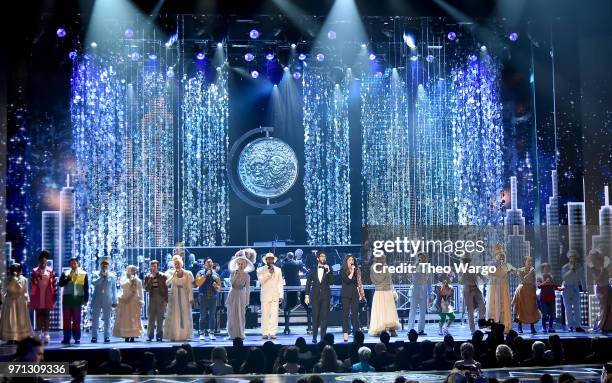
(99, 128)
(204, 190)
(326, 155)
(478, 138)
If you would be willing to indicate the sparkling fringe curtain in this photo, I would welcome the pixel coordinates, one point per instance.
(478, 139)
(99, 128)
(205, 198)
(326, 154)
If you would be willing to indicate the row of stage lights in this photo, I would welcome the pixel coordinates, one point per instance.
(254, 34)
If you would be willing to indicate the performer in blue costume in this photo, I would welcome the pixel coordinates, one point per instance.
(104, 299)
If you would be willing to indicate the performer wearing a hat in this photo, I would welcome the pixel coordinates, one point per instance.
(498, 299)
(472, 296)
(15, 324)
(420, 284)
(271, 282)
(42, 294)
(238, 296)
(572, 274)
(75, 294)
(318, 286)
(104, 298)
(155, 284)
(179, 324)
(599, 265)
(127, 323)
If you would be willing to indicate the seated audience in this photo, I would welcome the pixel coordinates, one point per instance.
(270, 354)
(114, 366)
(402, 361)
(148, 365)
(565, 377)
(219, 365)
(467, 356)
(364, 358)
(30, 350)
(238, 354)
(537, 359)
(329, 362)
(598, 354)
(78, 371)
(181, 364)
(449, 342)
(381, 358)
(255, 362)
(555, 354)
(504, 357)
(303, 352)
(546, 378)
(358, 340)
(291, 365)
(439, 361)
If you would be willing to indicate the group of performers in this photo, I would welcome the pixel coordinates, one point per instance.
(170, 297)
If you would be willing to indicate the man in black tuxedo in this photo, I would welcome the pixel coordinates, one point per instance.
(318, 286)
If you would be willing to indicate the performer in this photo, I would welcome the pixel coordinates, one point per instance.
(104, 298)
(179, 325)
(599, 265)
(127, 322)
(318, 286)
(546, 299)
(444, 300)
(572, 274)
(155, 284)
(209, 285)
(420, 284)
(472, 296)
(240, 290)
(42, 294)
(352, 292)
(384, 312)
(76, 294)
(498, 299)
(525, 301)
(291, 268)
(270, 279)
(15, 315)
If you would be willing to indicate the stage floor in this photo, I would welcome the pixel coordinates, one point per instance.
(585, 373)
(458, 331)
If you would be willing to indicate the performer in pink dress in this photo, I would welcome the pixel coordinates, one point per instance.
(42, 294)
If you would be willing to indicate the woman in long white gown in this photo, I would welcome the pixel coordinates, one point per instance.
(498, 296)
(238, 296)
(179, 323)
(15, 321)
(384, 311)
(127, 322)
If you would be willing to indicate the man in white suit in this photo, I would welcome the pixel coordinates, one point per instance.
(271, 282)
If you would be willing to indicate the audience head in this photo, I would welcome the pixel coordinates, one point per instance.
(511, 380)
(329, 359)
(546, 378)
(538, 348)
(477, 336)
(358, 381)
(400, 379)
(503, 352)
(237, 343)
(31, 350)
(467, 351)
(384, 337)
(328, 339)
(439, 350)
(291, 354)
(148, 360)
(426, 348)
(364, 353)
(181, 357)
(380, 348)
(565, 377)
(219, 354)
(511, 336)
(190, 355)
(78, 370)
(449, 341)
(300, 343)
(456, 376)
(314, 379)
(269, 349)
(114, 355)
(255, 361)
(413, 335)
(402, 359)
(359, 337)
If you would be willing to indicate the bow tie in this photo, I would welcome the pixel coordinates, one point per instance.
(321, 267)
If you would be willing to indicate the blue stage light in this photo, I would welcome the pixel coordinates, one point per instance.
(254, 34)
(254, 74)
(61, 33)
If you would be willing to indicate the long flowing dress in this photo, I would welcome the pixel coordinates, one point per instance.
(525, 301)
(15, 321)
(384, 312)
(236, 303)
(603, 290)
(129, 307)
(498, 296)
(179, 323)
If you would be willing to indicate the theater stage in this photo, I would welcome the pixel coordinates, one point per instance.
(585, 373)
